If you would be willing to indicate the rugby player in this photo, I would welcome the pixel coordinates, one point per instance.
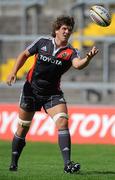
(53, 57)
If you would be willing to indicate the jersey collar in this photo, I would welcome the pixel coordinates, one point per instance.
(57, 49)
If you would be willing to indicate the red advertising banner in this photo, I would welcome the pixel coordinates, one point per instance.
(88, 124)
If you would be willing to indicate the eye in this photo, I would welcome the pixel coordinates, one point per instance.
(70, 29)
(64, 28)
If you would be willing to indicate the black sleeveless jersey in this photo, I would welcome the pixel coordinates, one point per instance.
(49, 65)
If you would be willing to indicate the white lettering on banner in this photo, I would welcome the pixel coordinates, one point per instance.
(14, 125)
(106, 124)
(113, 130)
(87, 132)
(83, 121)
(6, 119)
(48, 127)
(38, 117)
(80, 123)
(76, 118)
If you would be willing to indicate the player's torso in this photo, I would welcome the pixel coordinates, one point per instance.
(50, 64)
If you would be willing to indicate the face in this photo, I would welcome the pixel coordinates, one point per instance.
(64, 33)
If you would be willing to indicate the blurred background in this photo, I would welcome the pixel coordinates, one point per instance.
(22, 21)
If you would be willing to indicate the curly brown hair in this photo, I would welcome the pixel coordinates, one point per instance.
(62, 20)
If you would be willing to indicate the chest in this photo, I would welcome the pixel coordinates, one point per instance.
(59, 57)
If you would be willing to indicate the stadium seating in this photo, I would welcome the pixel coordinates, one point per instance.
(90, 30)
(6, 68)
(93, 30)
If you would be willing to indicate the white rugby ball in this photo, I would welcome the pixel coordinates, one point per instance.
(100, 15)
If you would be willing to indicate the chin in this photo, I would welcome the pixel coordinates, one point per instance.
(65, 40)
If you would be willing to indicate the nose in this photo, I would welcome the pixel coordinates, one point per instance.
(67, 31)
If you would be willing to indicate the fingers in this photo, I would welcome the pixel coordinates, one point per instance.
(11, 79)
(9, 82)
(92, 52)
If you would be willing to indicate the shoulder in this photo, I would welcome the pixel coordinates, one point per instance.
(40, 40)
(45, 39)
(75, 50)
(72, 48)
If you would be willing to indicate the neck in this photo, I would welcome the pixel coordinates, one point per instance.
(60, 43)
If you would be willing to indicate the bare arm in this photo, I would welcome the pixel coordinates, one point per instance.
(79, 63)
(21, 59)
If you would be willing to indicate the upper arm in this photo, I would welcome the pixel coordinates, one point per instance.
(75, 58)
(33, 48)
(26, 53)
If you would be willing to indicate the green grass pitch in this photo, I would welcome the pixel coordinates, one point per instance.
(43, 161)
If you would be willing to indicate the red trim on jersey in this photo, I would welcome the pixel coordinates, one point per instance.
(65, 54)
(30, 73)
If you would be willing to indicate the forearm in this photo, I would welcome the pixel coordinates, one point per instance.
(82, 63)
(19, 62)
(79, 63)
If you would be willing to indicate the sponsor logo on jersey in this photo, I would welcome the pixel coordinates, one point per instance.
(64, 55)
(50, 59)
(44, 48)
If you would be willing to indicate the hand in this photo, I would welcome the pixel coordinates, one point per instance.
(92, 53)
(11, 79)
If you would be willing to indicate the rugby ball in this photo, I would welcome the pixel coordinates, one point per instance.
(100, 15)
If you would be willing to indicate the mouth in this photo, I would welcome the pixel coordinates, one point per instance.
(66, 36)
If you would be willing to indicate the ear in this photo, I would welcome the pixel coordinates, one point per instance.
(56, 31)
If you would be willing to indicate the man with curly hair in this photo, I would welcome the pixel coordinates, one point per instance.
(53, 57)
